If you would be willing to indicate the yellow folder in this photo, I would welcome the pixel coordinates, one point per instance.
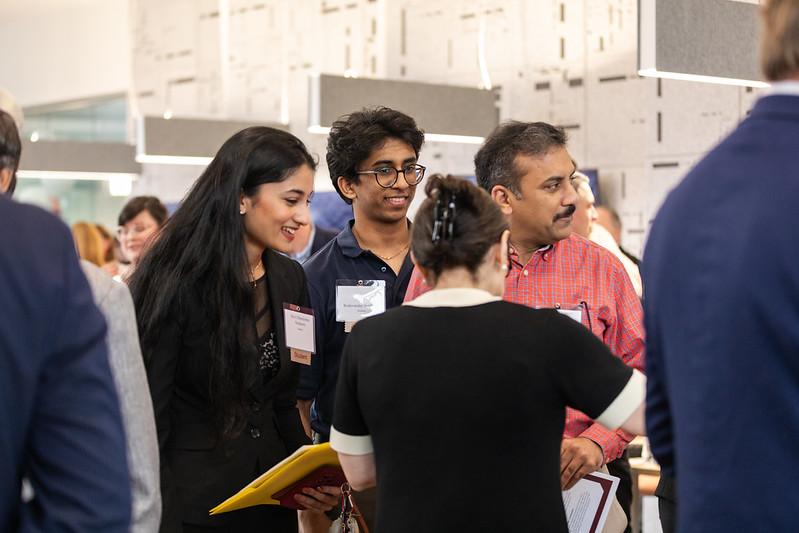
(287, 472)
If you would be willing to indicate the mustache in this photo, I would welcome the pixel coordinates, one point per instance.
(569, 211)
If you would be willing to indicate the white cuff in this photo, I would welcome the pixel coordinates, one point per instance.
(625, 403)
(350, 444)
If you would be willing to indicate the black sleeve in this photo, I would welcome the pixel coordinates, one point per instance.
(350, 433)
(285, 403)
(590, 377)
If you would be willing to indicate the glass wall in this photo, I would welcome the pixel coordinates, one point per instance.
(73, 200)
(95, 120)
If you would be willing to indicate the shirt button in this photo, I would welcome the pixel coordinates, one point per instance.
(382, 269)
(256, 407)
(526, 273)
(255, 433)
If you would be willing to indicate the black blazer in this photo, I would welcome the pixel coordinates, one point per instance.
(198, 469)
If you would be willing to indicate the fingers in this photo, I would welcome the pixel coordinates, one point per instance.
(572, 466)
(320, 499)
(574, 472)
(577, 458)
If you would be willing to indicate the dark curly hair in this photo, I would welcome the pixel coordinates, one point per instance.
(10, 148)
(477, 225)
(353, 137)
(494, 163)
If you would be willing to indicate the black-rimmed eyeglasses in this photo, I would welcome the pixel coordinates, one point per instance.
(387, 177)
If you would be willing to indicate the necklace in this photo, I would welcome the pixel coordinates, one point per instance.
(383, 257)
(389, 258)
(255, 272)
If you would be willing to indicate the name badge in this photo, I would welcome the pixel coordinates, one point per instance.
(300, 333)
(358, 299)
(574, 314)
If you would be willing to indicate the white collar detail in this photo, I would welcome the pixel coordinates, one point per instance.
(457, 297)
(790, 87)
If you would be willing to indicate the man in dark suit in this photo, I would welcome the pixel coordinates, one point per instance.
(722, 314)
(61, 424)
(308, 240)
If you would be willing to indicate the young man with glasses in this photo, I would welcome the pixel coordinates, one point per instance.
(372, 156)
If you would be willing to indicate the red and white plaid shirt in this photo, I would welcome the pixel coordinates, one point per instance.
(577, 274)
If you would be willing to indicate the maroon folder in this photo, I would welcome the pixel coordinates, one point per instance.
(324, 475)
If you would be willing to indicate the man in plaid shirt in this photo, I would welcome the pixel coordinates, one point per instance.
(527, 170)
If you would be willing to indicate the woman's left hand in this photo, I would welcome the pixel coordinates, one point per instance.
(316, 503)
(321, 499)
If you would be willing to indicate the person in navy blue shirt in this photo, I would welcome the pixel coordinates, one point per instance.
(721, 269)
(372, 156)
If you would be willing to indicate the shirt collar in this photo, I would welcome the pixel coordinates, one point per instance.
(347, 242)
(457, 297)
(543, 251)
(789, 87)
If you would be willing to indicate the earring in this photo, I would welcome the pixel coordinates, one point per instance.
(503, 268)
(241, 211)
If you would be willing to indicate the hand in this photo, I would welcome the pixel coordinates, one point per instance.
(320, 499)
(578, 456)
(317, 502)
(112, 268)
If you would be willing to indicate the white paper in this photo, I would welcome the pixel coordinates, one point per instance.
(586, 511)
(354, 302)
(574, 314)
(299, 330)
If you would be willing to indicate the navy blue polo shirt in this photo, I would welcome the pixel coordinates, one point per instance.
(341, 258)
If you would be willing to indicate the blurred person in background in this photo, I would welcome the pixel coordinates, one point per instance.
(308, 240)
(585, 216)
(89, 242)
(209, 298)
(10, 151)
(139, 223)
(108, 243)
(586, 226)
(127, 367)
(608, 218)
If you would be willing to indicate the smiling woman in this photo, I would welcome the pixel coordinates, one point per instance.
(209, 296)
(139, 222)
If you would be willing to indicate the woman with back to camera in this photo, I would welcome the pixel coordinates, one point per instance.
(209, 297)
(477, 387)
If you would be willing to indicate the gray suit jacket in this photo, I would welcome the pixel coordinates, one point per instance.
(127, 366)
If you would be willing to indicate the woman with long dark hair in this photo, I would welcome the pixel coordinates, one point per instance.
(209, 296)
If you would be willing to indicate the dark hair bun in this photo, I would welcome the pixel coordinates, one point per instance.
(455, 226)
